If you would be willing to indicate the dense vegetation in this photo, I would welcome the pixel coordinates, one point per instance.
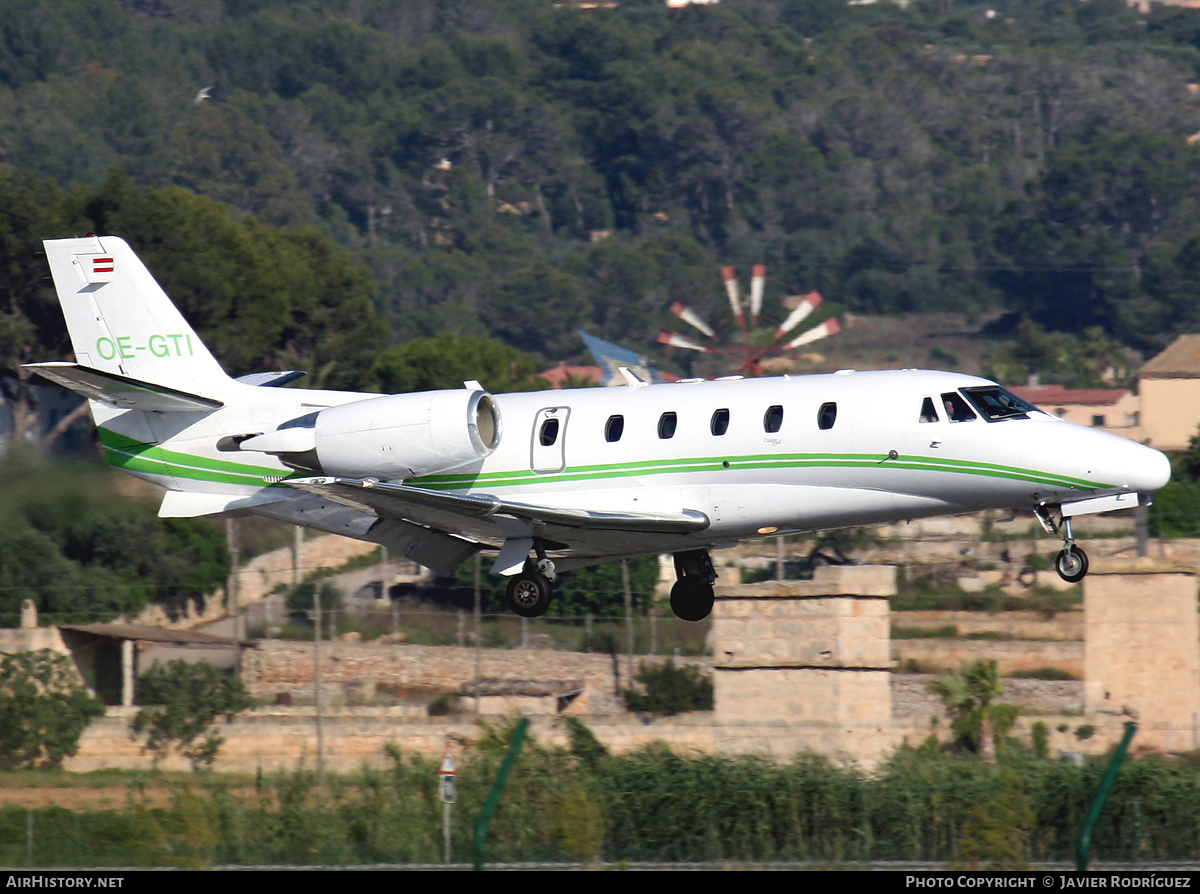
(582, 803)
(509, 169)
(44, 709)
(182, 702)
(81, 553)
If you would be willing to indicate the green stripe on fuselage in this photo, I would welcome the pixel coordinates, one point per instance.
(760, 461)
(135, 456)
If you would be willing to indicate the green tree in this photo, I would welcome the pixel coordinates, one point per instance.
(667, 689)
(82, 551)
(446, 361)
(44, 709)
(971, 695)
(260, 296)
(182, 703)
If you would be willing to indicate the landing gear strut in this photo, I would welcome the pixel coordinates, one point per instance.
(1072, 562)
(692, 596)
(530, 592)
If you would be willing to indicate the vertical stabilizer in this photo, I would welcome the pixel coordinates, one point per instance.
(121, 321)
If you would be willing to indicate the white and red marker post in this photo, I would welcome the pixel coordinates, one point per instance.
(446, 786)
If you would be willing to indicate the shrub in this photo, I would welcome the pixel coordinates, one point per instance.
(44, 709)
(183, 701)
(667, 689)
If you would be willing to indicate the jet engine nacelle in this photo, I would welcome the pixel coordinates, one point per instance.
(398, 436)
(406, 435)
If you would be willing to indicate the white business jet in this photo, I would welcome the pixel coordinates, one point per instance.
(555, 480)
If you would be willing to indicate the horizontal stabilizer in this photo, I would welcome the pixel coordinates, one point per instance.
(122, 392)
(273, 379)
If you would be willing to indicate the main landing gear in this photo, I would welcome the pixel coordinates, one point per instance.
(692, 596)
(1072, 562)
(530, 591)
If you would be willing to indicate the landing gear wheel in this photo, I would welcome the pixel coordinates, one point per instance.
(692, 598)
(1071, 564)
(529, 594)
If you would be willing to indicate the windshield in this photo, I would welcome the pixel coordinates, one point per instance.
(995, 404)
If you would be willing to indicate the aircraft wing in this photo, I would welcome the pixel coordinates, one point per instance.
(490, 520)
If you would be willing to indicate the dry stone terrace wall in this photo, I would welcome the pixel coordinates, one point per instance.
(284, 671)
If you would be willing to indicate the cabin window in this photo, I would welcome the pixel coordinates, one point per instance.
(614, 428)
(666, 425)
(928, 410)
(719, 423)
(549, 433)
(826, 416)
(773, 420)
(956, 408)
(996, 404)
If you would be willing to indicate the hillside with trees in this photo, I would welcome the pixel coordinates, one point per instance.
(508, 169)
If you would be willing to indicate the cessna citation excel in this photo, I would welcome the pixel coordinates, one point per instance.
(555, 480)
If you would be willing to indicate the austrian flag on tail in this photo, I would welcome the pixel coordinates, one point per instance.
(97, 268)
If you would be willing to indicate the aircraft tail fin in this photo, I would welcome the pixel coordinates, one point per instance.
(121, 322)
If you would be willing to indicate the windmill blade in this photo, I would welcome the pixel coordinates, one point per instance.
(735, 298)
(807, 305)
(692, 318)
(816, 333)
(675, 340)
(758, 280)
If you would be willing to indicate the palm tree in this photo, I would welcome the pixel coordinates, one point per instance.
(969, 695)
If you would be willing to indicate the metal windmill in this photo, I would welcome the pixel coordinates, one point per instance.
(747, 355)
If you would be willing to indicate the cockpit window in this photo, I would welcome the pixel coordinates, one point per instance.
(956, 408)
(995, 404)
(928, 411)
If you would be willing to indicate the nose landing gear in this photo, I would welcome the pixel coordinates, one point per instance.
(692, 596)
(1072, 562)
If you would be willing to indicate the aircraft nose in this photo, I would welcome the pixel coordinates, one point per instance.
(1152, 471)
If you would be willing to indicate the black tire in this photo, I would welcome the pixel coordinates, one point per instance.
(692, 598)
(529, 594)
(1071, 564)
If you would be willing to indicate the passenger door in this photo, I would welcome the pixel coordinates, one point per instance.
(548, 450)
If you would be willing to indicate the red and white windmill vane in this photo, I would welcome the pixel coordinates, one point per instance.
(748, 356)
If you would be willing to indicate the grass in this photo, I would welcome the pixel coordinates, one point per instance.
(1043, 673)
(946, 631)
(993, 600)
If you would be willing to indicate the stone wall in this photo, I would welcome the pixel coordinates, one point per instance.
(937, 655)
(1142, 655)
(1064, 625)
(797, 666)
(284, 671)
(804, 665)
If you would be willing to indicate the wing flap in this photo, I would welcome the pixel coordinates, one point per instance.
(120, 391)
(437, 507)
